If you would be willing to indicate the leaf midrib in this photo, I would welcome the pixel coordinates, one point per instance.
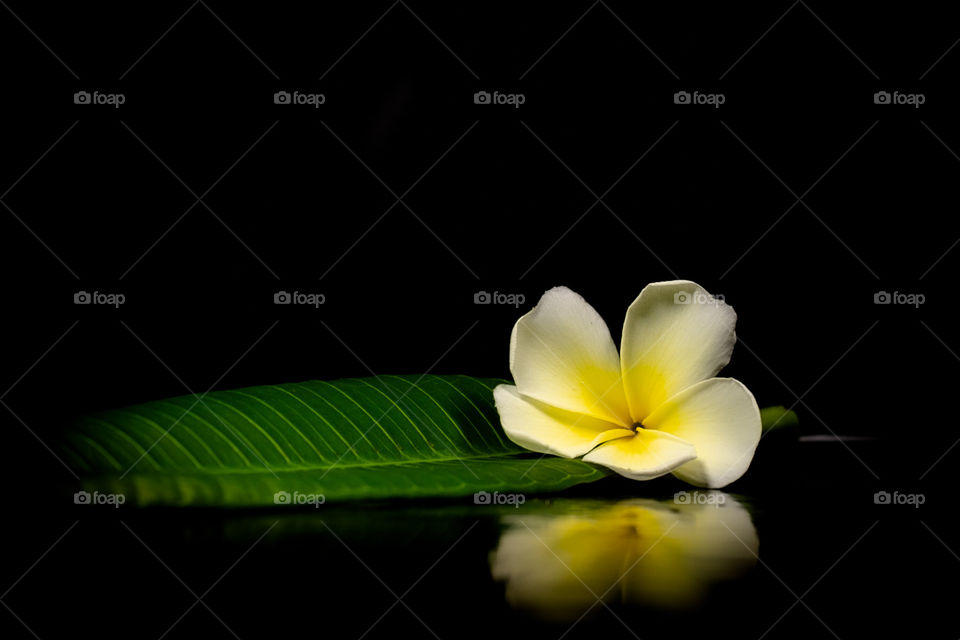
(290, 469)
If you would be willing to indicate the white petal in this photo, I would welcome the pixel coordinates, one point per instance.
(675, 335)
(646, 455)
(545, 429)
(721, 418)
(561, 353)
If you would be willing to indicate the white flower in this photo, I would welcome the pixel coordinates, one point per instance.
(652, 409)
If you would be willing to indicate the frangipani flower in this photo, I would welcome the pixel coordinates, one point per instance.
(559, 564)
(654, 408)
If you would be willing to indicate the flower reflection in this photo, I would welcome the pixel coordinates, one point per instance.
(659, 554)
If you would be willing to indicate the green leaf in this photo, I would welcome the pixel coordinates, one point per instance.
(777, 417)
(359, 438)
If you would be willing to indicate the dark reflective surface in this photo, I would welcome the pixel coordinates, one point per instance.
(595, 562)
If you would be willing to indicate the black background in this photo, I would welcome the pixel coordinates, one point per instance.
(798, 200)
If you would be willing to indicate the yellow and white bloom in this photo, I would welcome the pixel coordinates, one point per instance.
(654, 408)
